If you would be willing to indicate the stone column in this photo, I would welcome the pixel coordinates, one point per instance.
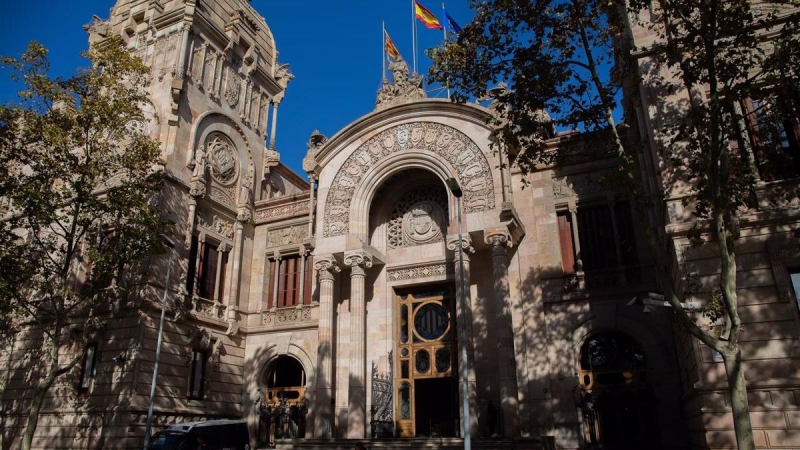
(507, 367)
(465, 315)
(313, 183)
(274, 127)
(357, 392)
(190, 222)
(236, 259)
(301, 297)
(277, 274)
(218, 296)
(576, 242)
(323, 413)
(201, 240)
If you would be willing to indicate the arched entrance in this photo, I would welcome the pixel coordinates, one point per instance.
(427, 403)
(283, 410)
(617, 401)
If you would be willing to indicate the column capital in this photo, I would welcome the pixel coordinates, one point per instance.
(358, 261)
(326, 266)
(498, 238)
(466, 243)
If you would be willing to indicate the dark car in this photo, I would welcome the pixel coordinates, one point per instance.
(209, 435)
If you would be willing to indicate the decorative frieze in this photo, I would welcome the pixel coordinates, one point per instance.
(208, 308)
(472, 167)
(286, 316)
(284, 211)
(571, 186)
(214, 223)
(412, 273)
(779, 195)
(288, 235)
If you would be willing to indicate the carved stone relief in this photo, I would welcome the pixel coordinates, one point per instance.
(164, 54)
(286, 315)
(779, 196)
(222, 158)
(198, 55)
(233, 84)
(212, 222)
(209, 65)
(282, 211)
(473, 169)
(412, 273)
(571, 186)
(418, 218)
(224, 195)
(289, 235)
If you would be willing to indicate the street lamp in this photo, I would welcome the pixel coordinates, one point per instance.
(455, 189)
(170, 245)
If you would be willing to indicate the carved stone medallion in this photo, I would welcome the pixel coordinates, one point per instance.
(222, 156)
(421, 224)
(418, 217)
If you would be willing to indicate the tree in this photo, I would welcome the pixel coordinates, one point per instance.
(570, 58)
(79, 189)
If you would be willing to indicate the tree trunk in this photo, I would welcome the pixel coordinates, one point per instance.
(39, 395)
(739, 404)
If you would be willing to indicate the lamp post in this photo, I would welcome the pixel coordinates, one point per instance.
(170, 245)
(455, 189)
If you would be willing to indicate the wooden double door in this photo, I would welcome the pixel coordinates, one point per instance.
(425, 382)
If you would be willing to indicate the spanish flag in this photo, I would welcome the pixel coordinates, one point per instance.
(391, 50)
(426, 16)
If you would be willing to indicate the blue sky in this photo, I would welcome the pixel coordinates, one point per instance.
(333, 48)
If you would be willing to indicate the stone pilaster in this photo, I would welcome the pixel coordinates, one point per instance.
(464, 317)
(323, 412)
(357, 420)
(507, 372)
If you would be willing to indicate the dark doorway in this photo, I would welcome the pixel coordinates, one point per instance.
(436, 407)
(617, 401)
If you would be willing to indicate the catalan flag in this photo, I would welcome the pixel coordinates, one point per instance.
(426, 17)
(391, 50)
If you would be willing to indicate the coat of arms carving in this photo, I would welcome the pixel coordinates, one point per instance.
(222, 157)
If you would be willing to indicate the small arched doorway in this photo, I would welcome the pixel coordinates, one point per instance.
(616, 398)
(283, 409)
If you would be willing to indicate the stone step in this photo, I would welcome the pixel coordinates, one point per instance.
(410, 443)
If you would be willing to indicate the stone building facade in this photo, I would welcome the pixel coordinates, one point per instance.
(331, 308)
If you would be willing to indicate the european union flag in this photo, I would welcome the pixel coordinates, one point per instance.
(453, 25)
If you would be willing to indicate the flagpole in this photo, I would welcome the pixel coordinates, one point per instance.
(383, 50)
(414, 35)
(444, 19)
(444, 28)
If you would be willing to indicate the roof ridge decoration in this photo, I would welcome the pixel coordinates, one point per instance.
(404, 88)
